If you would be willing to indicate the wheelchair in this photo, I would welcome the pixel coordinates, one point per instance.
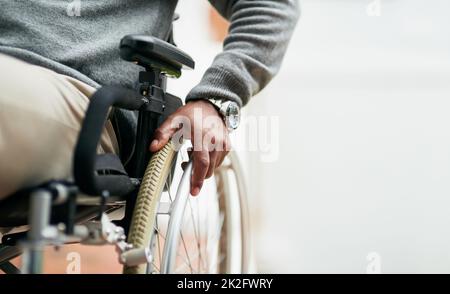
(144, 210)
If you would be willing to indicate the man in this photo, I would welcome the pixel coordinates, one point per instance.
(54, 54)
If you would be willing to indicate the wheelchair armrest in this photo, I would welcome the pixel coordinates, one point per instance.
(152, 52)
(88, 165)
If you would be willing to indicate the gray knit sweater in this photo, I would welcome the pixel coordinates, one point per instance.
(80, 38)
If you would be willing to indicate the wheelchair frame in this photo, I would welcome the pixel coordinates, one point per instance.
(102, 183)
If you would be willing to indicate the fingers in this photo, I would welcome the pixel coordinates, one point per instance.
(226, 149)
(163, 134)
(204, 165)
(213, 156)
(221, 159)
(201, 166)
(207, 133)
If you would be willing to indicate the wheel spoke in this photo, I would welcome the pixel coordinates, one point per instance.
(203, 244)
(187, 254)
(207, 232)
(195, 229)
(164, 239)
(156, 267)
(202, 259)
(157, 237)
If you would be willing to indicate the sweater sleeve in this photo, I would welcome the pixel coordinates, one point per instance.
(257, 40)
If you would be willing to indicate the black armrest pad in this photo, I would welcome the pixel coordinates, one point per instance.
(150, 47)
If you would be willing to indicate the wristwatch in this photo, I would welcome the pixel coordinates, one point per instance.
(230, 112)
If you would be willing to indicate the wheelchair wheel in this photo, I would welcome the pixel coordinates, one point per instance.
(203, 234)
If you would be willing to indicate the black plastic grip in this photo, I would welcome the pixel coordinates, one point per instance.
(85, 160)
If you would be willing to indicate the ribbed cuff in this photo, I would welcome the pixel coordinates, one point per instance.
(219, 83)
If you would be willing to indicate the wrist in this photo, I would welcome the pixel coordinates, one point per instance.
(229, 111)
(204, 103)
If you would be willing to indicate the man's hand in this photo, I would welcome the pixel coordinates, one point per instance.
(199, 121)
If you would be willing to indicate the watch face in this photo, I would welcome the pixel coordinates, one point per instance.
(233, 115)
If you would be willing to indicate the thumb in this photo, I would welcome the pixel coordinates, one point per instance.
(163, 134)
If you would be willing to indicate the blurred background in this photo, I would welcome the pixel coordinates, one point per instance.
(358, 180)
(363, 167)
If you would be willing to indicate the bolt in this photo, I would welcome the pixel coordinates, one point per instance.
(61, 227)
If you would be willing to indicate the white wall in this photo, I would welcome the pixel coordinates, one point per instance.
(364, 161)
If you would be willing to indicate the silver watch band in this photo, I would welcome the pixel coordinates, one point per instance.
(217, 103)
(231, 120)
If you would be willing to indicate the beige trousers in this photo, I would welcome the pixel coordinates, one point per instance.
(40, 117)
